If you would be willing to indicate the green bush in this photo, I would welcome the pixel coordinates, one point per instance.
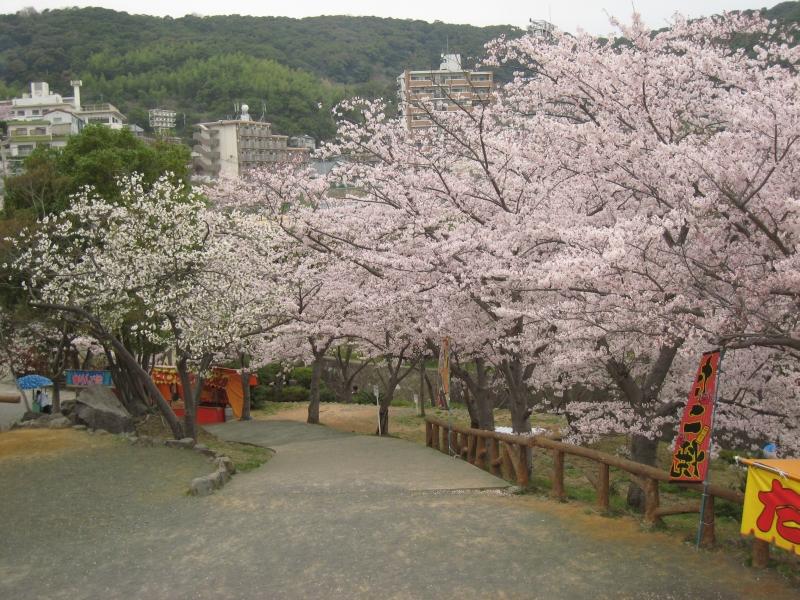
(269, 374)
(326, 394)
(363, 397)
(289, 393)
(259, 395)
(293, 393)
(301, 375)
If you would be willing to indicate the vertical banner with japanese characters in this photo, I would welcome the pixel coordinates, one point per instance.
(444, 374)
(772, 503)
(691, 456)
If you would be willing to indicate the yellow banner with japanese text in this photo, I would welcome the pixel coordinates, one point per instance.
(772, 503)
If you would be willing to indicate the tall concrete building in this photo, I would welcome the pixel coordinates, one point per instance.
(228, 148)
(448, 88)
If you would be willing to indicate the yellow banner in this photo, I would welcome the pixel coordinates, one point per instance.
(772, 508)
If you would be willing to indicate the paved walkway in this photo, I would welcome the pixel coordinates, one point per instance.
(335, 515)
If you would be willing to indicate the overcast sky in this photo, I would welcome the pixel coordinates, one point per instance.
(566, 14)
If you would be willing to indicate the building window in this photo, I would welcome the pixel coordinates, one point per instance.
(35, 111)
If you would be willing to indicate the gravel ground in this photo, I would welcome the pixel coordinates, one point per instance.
(326, 518)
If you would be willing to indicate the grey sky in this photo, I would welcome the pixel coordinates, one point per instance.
(566, 14)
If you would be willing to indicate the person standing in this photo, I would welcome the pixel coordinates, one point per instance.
(45, 402)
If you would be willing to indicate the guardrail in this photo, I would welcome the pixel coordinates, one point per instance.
(509, 456)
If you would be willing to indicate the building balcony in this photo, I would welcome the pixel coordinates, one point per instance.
(201, 150)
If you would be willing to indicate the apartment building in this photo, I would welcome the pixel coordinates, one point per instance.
(448, 88)
(162, 119)
(229, 148)
(45, 118)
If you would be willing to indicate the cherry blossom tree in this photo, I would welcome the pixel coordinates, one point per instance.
(162, 257)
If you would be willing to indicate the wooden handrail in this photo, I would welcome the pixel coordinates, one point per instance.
(624, 464)
(508, 455)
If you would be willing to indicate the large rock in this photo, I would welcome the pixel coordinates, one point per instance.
(98, 408)
(59, 422)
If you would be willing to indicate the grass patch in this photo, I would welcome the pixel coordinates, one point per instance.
(245, 456)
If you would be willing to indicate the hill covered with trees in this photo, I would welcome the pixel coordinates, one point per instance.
(201, 65)
(290, 71)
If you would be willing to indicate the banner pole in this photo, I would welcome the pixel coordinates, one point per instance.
(704, 498)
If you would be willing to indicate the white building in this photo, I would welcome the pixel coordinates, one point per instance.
(448, 88)
(161, 119)
(45, 118)
(540, 28)
(41, 100)
(51, 129)
(228, 148)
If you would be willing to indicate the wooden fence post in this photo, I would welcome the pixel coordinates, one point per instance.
(558, 475)
(760, 554)
(603, 488)
(453, 439)
(435, 436)
(707, 535)
(494, 456)
(508, 466)
(523, 476)
(480, 453)
(428, 430)
(651, 501)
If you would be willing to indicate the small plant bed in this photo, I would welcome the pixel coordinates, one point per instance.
(244, 456)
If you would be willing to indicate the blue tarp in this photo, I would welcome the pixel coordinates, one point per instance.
(30, 382)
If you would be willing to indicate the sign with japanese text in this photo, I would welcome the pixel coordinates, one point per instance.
(772, 504)
(83, 378)
(690, 458)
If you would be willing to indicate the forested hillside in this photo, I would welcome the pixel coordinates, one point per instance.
(199, 66)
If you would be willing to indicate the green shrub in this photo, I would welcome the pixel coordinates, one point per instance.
(363, 397)
(293, 393)
(260, 395)
(326, 394)
(302, 376)
(269, 374)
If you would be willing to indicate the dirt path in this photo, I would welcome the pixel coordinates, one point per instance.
(354, 418)
(332, 515)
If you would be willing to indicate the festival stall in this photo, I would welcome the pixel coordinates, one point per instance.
(222, 388)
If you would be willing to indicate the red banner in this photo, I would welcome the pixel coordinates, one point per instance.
(690, 459)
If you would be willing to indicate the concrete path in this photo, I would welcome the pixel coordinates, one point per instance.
(334, 515)
(314, 457)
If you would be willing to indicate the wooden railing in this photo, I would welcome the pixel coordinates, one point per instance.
(508, 456)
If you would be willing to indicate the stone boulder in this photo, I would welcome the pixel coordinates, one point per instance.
(59, 422)
(98, 408)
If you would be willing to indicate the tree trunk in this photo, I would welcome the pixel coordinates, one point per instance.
(313, 399)
(643, 450)
(150, 387)
(479, 401)
(245, 389)
(429, 385)
(189, 407)
(383, 418)
(472, 409)
(421, 406)
(56, 396)
(517, 395)
(482, 397)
